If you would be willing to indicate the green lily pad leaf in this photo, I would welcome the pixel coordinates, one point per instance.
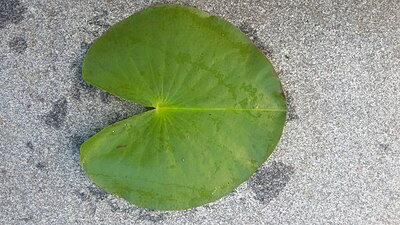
(218, 108)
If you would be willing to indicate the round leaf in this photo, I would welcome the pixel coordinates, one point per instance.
(218, 108)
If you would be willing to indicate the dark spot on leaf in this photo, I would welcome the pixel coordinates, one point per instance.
(287, 57)
(292, 115)
(18, 45)
(149, 215)
(29, 145)
(40, 165)
(11, 11)
(121, 146)
(269, 181)
(97, 193)
(55, 118)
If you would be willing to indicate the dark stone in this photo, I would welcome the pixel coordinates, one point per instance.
(252, 34)
(269, 181)
(18, 45)
(76, 142)
(80, 86)
(97, 24)
(11, 11)
(56, 117)
(29, 145)
(291, 109)
(100, 20)
(117, 208)
(114, 207)
(82, 196)
(384, 147)
(105, 97)
(85, 46)
(97, 193)
(151, 216)
(40, 165)
(248, 30)
(113, 118)
(27, 219)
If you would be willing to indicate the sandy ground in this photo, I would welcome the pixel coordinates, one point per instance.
(338, 161)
